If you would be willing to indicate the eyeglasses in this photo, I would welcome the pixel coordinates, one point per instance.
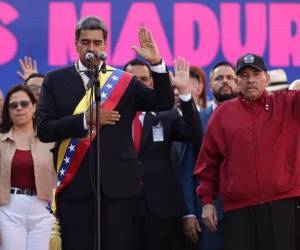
(14, 105)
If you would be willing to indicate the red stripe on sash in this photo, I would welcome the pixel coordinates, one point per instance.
(81, 150)
(118, 91)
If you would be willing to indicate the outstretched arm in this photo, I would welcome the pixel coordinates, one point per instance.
(162, 96)
(187, 127)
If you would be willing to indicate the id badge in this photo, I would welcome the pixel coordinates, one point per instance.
(158, 132)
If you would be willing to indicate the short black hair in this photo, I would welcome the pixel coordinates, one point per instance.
(135, 62)
(33, 75)
(219, 64)
(223, 63)
(90, 23)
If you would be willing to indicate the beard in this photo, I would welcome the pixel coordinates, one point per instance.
(224, 97)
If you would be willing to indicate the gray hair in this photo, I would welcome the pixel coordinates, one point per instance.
(90, 23)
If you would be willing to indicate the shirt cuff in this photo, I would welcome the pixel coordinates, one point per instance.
(207, 200)
(161, 68)
(185, 98)
(188, 216)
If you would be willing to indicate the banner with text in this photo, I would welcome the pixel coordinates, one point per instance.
(204, 32)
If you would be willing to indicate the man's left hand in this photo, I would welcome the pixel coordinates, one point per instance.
(182, 75)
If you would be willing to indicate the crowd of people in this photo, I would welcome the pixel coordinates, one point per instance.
(177, 171)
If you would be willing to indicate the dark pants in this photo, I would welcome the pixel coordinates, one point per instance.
(76, 218)
(126, 224)
(208, 240)
(154, 233)
(118, 231)
(268, 226)
(211, 240)
(297, 207)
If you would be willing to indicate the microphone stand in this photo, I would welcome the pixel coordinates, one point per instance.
(97, 177)
(94, 82)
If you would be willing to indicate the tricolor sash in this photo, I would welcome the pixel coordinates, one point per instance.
(72, 150)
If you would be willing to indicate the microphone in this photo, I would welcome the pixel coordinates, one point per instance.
(102, 57)
(90, 57)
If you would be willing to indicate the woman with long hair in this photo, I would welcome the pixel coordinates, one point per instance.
(198, 86)
(27, 176)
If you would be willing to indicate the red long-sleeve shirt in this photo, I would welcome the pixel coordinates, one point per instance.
(251, 151)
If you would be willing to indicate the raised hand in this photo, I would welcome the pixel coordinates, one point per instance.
(148, 47)
(28, 66)
(180, 80)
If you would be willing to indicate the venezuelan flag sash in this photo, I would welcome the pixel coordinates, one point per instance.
(72, 150)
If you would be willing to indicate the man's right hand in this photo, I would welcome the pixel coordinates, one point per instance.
(191, 228)
(209, 217)
(107, 117)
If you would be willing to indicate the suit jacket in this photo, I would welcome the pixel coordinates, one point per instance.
(188, 181)
(62, 90)
(161, 187)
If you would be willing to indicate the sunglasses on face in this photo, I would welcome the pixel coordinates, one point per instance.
(14, 105)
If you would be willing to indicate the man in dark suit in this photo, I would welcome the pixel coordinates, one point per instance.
(223, 85)
(63, 113)
(161, 205)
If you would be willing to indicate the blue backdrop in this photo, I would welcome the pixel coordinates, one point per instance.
(203, 31)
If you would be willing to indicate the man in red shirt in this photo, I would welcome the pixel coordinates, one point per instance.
(251, 155)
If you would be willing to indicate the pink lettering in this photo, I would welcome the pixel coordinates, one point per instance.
(191, 19)
(284, 34)
(62, 22)
(255, 30)
(128, 37)
(8, 42)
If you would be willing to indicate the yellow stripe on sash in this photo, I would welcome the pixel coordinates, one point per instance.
(81, 108)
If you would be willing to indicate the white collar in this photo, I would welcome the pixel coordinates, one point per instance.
(81, 67)
(214, 105)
